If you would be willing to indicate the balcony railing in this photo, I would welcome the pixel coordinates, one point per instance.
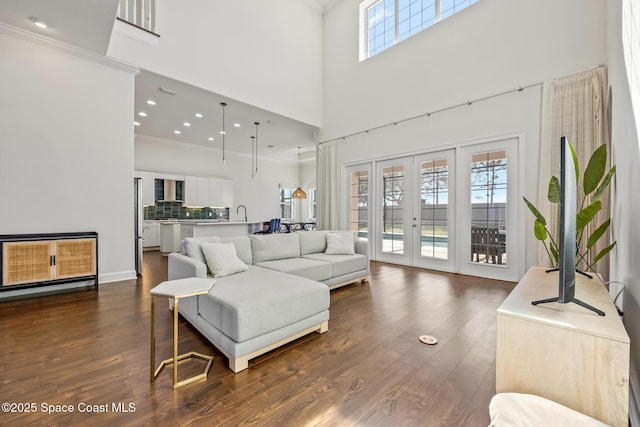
(140, 13)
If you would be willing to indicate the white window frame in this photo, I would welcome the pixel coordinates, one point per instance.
(364, 24)
(313, 201)
(292, 207)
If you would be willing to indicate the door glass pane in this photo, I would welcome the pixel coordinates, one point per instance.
(434, 203)
(393, 209)
(359, 204)
(489, 207)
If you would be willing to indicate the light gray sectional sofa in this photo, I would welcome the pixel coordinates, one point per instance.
(272, 290)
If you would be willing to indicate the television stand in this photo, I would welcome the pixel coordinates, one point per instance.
(577, 271)
(562, 352)
(575, 300)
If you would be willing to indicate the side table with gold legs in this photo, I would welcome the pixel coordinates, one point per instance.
(176, 290)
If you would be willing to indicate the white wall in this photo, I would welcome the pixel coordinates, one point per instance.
(67, 159)
(266, 54)
(491, 47)
(260, 195)
(624, 75)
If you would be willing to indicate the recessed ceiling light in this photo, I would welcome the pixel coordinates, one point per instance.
(38, 22)
(187, 124)
(236, 125)
(136, 123)
(222, 132)
(210, 138)
(199, 115)
(177, 132)
(151, 102)
(142, 114)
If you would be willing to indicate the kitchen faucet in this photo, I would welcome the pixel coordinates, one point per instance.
(245, 211)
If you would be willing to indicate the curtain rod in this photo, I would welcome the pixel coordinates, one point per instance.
(595, 67)
(430, 113)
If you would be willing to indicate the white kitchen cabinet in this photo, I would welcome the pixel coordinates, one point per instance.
(227, 193)
(169, 237)
(148, 187)
(221, 192)
(150, 234)
(214, 193)
(197, 191)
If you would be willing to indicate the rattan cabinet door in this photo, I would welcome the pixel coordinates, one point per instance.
(75, 258)
(26, 262)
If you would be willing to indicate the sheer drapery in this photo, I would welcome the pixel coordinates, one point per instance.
(328, 178)
(578, 110)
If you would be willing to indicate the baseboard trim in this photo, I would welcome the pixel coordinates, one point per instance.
(118, 276)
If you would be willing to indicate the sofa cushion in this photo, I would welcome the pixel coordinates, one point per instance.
(341, 264)
(274, 246)
(243, 247)
(341, 243)
(257, 301)
(312, 242)
(222, 259)
(191, 246)
(303, 267)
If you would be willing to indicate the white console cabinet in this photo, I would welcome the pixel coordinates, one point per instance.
(564, 352)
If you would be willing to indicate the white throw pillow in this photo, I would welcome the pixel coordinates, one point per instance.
(222, 259)
(341, 243)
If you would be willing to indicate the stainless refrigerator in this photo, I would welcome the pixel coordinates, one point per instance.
(138, 222)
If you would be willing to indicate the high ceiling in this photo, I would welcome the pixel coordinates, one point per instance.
(278, 136)
(89, 24)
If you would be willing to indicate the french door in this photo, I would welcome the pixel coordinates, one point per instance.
(452, 210)
(416, 208)
(434, 206)
(489, 196)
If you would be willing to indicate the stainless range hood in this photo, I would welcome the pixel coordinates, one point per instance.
(173, 190)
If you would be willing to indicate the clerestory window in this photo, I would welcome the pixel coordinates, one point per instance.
(384, 23)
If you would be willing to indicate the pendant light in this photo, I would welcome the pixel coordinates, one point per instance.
(299, 193)
(224, 104)
(253, 149)
(257, 124)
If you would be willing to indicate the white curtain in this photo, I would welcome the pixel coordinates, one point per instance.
(578, 110)
(328, 179)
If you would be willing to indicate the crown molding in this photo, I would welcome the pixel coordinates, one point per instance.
(32, 37)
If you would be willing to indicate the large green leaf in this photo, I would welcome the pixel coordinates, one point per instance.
(539, 230)
(575, 162)
(603, 252)
(586, 215)
(535, 212)
(598, 232)
(603, 185)
(554, 190)
(595, 169)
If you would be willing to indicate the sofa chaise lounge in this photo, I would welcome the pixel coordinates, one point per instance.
(270, 289)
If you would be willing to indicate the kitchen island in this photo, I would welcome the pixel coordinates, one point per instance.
(174, 231)
(204, 228)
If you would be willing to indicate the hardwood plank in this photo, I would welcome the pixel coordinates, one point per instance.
(368, 369)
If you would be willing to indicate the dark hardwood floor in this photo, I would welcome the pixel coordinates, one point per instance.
(90, 351)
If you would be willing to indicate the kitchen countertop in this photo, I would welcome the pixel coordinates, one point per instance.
(207, 222)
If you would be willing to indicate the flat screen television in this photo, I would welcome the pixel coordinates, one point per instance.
(567, 239)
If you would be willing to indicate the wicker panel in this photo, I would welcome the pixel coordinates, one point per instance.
(25, 262)
(75, 257)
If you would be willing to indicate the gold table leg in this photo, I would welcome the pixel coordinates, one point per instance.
(153, 339)
(176, 359)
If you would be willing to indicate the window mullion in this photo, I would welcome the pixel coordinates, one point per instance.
(396, 23)
(437, 3)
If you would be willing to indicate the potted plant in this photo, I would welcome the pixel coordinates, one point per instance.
(594, 183)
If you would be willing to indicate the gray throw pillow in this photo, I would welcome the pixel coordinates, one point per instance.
(222, 259)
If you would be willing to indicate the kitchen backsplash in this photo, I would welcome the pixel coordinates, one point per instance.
(169, 210)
